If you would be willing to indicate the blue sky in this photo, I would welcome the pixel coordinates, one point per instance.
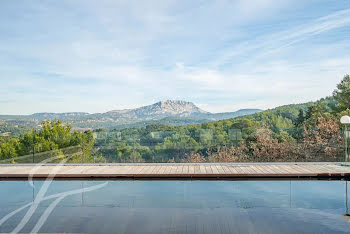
(95, 56)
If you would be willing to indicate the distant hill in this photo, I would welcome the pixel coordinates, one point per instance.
(227, 115)
(68, 115)
(170, 112)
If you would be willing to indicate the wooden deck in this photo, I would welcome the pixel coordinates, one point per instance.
(220, 170)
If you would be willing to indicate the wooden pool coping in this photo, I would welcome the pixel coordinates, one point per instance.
(175, 171)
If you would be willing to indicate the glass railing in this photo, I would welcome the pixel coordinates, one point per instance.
(184, 145)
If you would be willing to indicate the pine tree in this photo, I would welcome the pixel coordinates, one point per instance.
(342, 94)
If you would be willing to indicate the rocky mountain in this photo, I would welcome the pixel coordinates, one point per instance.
(159, 110)
(171, 112)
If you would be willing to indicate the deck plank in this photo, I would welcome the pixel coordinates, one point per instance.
(220, 169)
(196, 169)
(161, 170)
(232, 169)
(238, 169)
(336, 168)
(208, 169)
(214, 169)
(191, 169)
(178, 170)
(258, 170)
(276, 169)
(141, 170)
(147, 170)
(249, 170)
(172, 169)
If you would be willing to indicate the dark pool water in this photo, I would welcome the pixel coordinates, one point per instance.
(174, 207)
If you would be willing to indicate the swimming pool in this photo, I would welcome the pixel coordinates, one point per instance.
(198, 206)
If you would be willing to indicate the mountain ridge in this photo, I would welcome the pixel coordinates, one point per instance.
(155, 112)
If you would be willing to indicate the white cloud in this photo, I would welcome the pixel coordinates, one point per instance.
(266, 45)
(117, 54)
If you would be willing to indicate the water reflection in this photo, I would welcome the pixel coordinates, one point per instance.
(186, 206)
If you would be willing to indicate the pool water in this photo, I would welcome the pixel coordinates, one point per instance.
(198, 206)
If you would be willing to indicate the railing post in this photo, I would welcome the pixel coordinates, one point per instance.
(346, 197)
(82, 148)
(33, 143)
(345, 120)
(346, 143)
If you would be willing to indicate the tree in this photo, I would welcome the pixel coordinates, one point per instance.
(9, 149)
(193, 158)
(342, 94)
(301, 118)
(53, 138)
(266, 148)
(229, 154)
(324, 140)
(315, 112)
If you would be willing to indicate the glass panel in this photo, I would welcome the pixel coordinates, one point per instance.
(192, 206)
